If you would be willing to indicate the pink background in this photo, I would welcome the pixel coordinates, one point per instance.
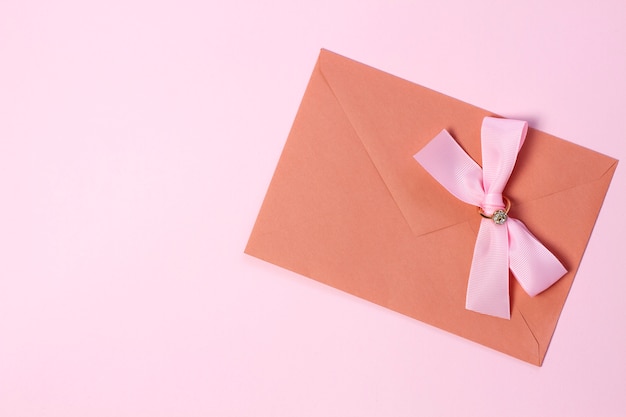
(137, 140)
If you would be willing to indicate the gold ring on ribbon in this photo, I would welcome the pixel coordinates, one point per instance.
(498, 216)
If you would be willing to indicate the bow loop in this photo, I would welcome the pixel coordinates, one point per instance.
(501, 140)
(500, 245)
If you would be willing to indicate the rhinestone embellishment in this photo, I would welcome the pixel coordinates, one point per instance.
(499, 217)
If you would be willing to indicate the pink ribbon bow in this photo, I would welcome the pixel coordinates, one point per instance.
(502, 243)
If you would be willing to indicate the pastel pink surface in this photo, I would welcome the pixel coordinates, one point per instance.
(137, 140)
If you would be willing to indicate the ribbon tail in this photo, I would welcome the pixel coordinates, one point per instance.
(534, 266)
(488, 286)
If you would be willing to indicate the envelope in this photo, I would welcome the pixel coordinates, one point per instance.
(348, 205)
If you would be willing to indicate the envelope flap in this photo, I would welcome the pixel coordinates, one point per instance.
(395, 118)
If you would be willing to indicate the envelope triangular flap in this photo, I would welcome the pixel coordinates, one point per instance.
(395, 118)
(328, 215)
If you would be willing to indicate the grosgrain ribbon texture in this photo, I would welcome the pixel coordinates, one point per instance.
(499, 247)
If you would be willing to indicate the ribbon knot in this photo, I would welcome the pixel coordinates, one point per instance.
(500, 246)
(492, 202)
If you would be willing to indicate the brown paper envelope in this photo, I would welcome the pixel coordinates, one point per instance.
(349, 206)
